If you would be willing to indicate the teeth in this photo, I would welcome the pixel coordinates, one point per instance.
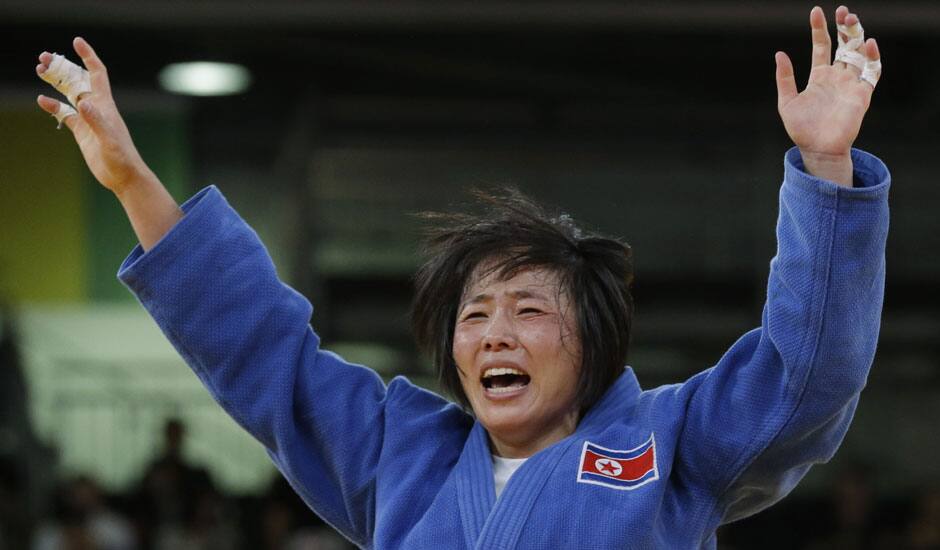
(502, 370)
(506, 389)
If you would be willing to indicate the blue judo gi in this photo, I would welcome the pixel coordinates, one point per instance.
(397, 466)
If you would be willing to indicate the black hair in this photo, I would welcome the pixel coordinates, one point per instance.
(514, 233)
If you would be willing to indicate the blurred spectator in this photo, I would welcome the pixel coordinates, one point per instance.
(287, 523)
(14, 521)
(208, 525)
(852, 511)
(84, 521)
(173, 494)
(924, 530)
(25, 464)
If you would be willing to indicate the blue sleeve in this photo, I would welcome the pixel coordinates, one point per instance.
(782, 398)
(212, 288)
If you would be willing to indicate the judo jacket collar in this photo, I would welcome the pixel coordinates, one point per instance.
(488, 523)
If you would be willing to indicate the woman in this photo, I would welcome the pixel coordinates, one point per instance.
(528, 323)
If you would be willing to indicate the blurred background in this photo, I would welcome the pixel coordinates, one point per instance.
(652, 121)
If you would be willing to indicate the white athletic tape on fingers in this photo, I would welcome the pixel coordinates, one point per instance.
(848, 50)
(65, 111)
(872, 72)
(852, 58)
(848, 53)
(68, 78)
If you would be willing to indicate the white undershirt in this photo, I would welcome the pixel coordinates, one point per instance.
(503, 468)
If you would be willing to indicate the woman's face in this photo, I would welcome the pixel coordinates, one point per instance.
(518, 352)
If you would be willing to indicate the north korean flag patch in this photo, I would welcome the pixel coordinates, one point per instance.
(624, 470)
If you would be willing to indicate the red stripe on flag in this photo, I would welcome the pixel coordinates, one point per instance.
(630, 469)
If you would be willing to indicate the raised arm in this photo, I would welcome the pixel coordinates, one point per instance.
(210, 284)
(782, 397)
(105, 142)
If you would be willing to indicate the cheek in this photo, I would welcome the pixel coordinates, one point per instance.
(462, 350)
(566, 359)
(461, 344)
(554, 342)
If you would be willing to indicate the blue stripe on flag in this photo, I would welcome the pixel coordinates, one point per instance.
(588, 476)
(620, 455)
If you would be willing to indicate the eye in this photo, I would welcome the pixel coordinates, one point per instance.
(529, 311)
(473, 315)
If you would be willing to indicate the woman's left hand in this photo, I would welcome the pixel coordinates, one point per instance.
(824, 119)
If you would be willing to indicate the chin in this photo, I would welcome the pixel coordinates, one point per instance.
(509, 424)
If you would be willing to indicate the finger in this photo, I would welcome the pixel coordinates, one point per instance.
(822, 45)
(68, 78)
(88, 55)
(96, 69)
(871, 50)
(93, 117)
(841, 12)
(852, 19)
(847, 19)
(52, 107)
(872, 72)
(786, 81)
(45, 58)
(48, 104)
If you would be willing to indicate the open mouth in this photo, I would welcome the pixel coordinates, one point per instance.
(504, 380)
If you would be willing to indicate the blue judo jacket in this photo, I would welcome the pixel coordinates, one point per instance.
(397, 466)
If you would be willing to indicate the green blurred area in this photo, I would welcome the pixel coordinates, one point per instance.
(43, 236)
(102, 379)
(63, 236)
(162, 139)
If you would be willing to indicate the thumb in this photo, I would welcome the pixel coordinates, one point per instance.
(786, 82)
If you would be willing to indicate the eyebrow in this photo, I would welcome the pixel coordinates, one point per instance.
(517, 294)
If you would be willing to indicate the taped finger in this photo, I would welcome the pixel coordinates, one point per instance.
(66, 77)
(872, 72)
(848, 51)
(57, 109)
(62, 113)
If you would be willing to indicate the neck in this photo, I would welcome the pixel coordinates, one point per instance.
(517, 444)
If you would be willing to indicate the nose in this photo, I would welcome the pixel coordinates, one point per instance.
(500, 334)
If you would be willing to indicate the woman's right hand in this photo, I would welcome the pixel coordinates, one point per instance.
(110, 154)
(98, 128)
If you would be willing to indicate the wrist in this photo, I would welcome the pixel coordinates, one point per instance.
(837, 168)
(138, 180)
